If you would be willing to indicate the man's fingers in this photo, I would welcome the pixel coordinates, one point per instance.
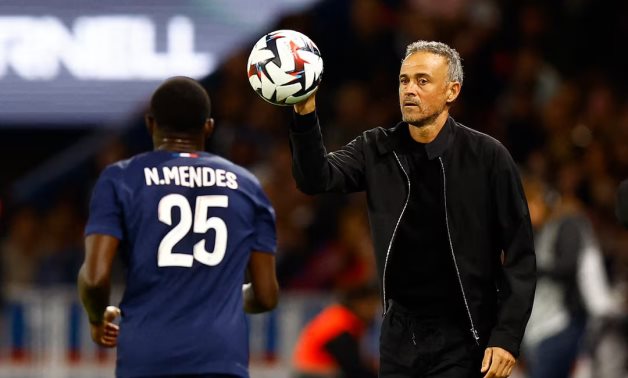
(492, 372)
(109, 339)
(106, 333)
(506, 362)
(486, 362)
(111, 330)
(509, 370)
(111, 313)
(108, 343)
(507, 367)
(501, 366)
(497, 363)
(500, 369)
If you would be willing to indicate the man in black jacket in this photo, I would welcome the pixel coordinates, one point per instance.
(449, 222)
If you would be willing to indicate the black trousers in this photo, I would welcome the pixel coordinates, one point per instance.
(197, 376)
(416, 347)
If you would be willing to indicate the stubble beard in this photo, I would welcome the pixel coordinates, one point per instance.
(423, 121)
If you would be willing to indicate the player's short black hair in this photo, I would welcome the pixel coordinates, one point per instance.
(180, 104)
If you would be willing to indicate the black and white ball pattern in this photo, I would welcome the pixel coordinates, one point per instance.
(284, 67)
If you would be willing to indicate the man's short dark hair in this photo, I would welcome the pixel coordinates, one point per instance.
(180, 104)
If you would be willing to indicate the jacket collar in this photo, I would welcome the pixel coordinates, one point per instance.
(391, 139)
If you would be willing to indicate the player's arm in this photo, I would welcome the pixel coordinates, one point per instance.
(314, 169)
(94, 279)
(262, 294)
(519, 266)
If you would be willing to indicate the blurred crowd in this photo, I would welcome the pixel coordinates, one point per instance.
(547, 79)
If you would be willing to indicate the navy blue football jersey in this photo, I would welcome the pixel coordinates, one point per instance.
(189, 222)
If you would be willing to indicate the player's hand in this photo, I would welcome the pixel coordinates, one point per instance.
(497, 363)
(106, 333)
(306, 106)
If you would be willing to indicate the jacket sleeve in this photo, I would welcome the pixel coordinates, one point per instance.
(317, 171)
(519, 264)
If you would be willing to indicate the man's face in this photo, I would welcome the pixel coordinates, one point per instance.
(424, 87)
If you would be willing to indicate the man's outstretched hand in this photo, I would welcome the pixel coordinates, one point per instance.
(306, 106)
(106, 332)
(497, 363)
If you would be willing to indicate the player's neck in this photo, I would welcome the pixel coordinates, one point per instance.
(178, 142)
(428, 132)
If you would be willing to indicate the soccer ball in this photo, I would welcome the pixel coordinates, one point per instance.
(284, 67)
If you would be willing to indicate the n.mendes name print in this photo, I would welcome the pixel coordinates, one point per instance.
(190, 176)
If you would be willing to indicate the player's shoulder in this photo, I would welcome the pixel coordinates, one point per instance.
(486, 148)
(477, 140)
(119, 167)
(471, 134)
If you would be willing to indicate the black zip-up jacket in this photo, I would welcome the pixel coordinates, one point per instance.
(486, 213)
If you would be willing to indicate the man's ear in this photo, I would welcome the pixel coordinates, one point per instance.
(150, 123)
(453, 91)
(208, 129)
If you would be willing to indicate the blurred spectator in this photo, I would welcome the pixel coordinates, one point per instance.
(62, 243)
(20, 249)
(350, 108)
(330, 344)
(523, 131)
(294, 212)
(344, 262)
(572, 286)
(610, 344)
(611, 352)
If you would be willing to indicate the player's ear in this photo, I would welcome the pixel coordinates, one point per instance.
(208, 129)
(453, 91)
(150, 123)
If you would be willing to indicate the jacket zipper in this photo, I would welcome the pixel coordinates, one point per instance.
(474, 331)
(392, 238)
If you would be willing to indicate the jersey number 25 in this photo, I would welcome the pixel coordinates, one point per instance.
(199, 222)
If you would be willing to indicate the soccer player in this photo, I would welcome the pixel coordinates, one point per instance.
(192, 223)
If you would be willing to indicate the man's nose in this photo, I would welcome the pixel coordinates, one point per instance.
(410, 89)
